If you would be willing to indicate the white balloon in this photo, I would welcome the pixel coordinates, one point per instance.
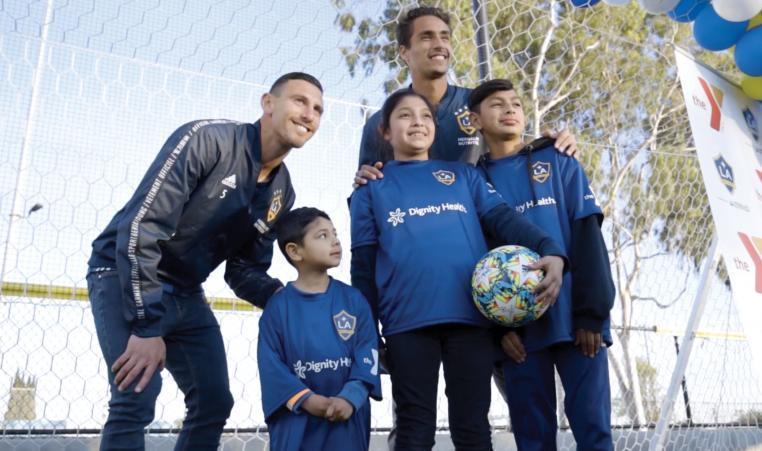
(737, 10)
(658, 6)
(616, 2)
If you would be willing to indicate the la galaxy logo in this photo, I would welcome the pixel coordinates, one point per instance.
(444, 177)
(464, 121)
(725, 172)
(540, 171)
(276, 203)
(751, 122)
(345, 324)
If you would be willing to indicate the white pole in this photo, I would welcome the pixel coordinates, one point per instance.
(667, 405)
(28, 135)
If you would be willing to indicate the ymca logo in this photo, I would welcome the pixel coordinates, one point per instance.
(540, 171)
(396, 217)
(444, 177)
(345, 324)
(753, 246)
(276, 203)
(725, 172)
(751, 122)
(464, 121)
(715, 96)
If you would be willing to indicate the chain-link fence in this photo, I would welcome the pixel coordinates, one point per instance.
(89, 91)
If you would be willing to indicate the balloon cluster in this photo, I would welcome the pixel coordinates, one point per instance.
(717, 25)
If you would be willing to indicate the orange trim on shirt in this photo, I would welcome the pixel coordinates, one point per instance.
(290, 403)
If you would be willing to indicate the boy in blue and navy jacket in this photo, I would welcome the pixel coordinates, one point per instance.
(317, 350)
(552, 191)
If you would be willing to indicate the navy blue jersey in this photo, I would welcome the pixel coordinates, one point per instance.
(424, 218)
(557, 194)
(322, 342)
(455, 139)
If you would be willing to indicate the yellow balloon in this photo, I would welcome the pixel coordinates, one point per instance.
(752, 86)
(755, 21)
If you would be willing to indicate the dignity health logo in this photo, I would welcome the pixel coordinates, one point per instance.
(397, 216)
(301, 369)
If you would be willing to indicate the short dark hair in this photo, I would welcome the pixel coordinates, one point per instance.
(292, 226)
(283, 79)
(485, 90)
(393, 100)
(405, 23)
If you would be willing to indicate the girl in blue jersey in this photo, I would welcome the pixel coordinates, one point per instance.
(552, 191)
(416, 236)
(317, 350)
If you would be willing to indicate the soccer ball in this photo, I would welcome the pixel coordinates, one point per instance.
(503, 287)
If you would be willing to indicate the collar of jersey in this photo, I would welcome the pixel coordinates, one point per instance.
(406, 163)
(446, 99)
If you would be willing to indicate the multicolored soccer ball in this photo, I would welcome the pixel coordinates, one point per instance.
(503, 287)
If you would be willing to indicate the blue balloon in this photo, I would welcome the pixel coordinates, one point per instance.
(715, 33)
(687, 10)
(749, 53)
(584, 3)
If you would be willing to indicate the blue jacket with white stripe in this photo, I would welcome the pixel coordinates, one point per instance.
(198, 205)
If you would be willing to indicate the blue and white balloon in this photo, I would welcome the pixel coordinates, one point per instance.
(687, 10)
(712, 32)
(737, 10)
(748, 53)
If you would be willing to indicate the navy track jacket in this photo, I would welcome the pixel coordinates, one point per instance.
(198, 205)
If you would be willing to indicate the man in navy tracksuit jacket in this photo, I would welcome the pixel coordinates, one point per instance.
(213, 194)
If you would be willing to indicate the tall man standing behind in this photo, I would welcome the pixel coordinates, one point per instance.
(213, 194)
(424, 39)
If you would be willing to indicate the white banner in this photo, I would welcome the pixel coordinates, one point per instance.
(726, 129)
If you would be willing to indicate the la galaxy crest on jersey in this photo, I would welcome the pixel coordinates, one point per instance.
(444, 177)
(540, 171)
(463, 117)
(725, 172)
(276, 203)
(345, 324)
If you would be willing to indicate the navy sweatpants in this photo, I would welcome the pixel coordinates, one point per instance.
(530, 389)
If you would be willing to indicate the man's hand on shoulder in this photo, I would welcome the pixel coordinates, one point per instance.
(566, 142)
(367, 173)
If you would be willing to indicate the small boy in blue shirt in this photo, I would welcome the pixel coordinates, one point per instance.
(317, 350)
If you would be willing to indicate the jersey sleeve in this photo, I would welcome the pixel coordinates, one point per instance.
(484, 194)
(153, 216)
(279, 384)
(365, 361)
(363, 228)
(580, 199)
